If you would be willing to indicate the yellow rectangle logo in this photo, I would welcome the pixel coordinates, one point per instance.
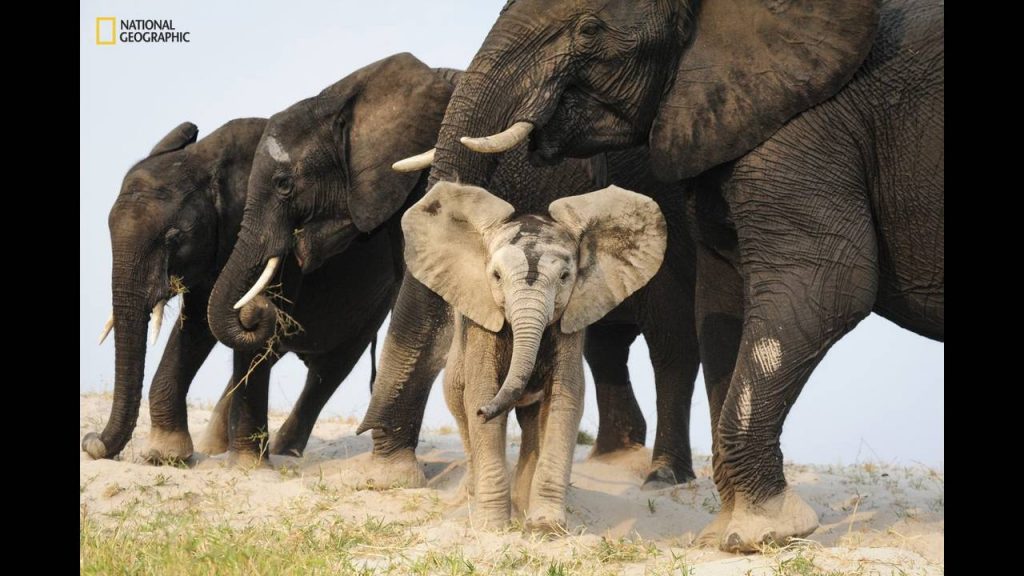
(106, 31)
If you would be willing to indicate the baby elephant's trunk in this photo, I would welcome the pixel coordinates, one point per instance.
(529, 311)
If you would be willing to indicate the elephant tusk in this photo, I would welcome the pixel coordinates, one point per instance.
(260, 284)
(158, 320)
(501, 141)
(107, 328)
(420, 161)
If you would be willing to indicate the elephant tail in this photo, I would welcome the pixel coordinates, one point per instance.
(373, 362)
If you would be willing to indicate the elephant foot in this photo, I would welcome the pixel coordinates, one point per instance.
(398, 470)
(664, 475)
(547, 520)
(168, 447)
(215, 438)
(463, 492)
(484, 519)
(248, 460)
(711, 535)
(636, 459)
(94, 446)
(773, 521)
(521, 500)
(285, 444)
(611, 448)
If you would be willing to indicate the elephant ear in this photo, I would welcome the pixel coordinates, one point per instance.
(622, 238)
(394, 111)
(182, 135)
(751, 66)
(445, 247)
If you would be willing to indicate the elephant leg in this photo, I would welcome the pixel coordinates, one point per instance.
(215, 438)
(188, 347)
(719, 310)
(326, 373)
(529, 450)
(454, 396)
(492, 493)
(675, 357)
(621, 424)
(810, 275)
(248, 433)
(561, 421)
(414, 351)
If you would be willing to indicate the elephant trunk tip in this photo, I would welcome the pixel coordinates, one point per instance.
(489, 411)
(93, 445)
(506, 398)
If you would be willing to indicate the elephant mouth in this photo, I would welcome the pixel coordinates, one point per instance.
(317, 242)
(580, 126)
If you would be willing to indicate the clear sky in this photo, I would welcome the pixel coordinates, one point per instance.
(878, 395)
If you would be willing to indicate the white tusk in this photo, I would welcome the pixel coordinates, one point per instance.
(158, 320)
(414, 163)
(501, 141)
(107, 328)
(261, 283)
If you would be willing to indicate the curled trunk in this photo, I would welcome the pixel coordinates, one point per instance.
(250, 327)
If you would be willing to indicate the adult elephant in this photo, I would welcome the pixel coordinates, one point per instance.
(176, 217)
(823, 163)
(320, 188)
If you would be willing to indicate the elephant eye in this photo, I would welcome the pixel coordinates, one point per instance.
(565, 276)
(496, 275)
(283, 185)
(590, 28)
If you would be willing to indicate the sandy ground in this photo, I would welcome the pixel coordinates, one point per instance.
(875, 518)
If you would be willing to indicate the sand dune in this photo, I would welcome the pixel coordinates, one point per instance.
(875, 519)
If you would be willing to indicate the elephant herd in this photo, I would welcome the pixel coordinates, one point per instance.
(740, 181)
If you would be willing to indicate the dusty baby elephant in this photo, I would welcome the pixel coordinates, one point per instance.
(512, 278)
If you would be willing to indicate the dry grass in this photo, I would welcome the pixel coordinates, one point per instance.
(178, 288)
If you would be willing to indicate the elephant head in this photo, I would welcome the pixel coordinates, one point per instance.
(532, 271)
(322, 177)
(177, 215)
(700, 83)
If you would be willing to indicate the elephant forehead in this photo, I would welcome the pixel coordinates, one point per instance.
(274, 148)
(533, 244)
(533, 232)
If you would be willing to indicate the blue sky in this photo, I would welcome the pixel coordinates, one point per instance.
(878, 395)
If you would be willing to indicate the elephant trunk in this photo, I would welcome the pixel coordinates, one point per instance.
(467, 115)
(529, 311)
(133, 295)
(485, 102)
(250, 327)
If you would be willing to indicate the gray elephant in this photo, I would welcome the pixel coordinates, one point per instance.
(809, 138)
(322, 188)
(177, 217)
(525, 287)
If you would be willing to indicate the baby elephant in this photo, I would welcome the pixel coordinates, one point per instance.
(494, 266)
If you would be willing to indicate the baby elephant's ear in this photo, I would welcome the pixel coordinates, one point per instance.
(445, 250)
(622, 238)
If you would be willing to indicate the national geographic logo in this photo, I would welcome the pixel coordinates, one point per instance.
(111, 30)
